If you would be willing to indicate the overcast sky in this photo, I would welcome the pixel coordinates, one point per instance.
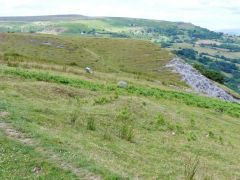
(212, 14)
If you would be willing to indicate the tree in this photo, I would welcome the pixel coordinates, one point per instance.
(213, 75)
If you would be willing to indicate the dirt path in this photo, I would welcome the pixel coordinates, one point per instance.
(23, 139)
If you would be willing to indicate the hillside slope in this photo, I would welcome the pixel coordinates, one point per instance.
(59, 122)
(140, 57)
(212, 50)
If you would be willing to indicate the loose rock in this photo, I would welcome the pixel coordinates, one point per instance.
(88, 70)
(122, 83)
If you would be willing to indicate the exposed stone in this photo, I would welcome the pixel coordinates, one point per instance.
(47, 43)
(88, 70)
(199, 82)
(60, 46)
(122, 83)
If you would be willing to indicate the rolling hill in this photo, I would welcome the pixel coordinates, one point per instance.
(212, 50)
(59, 122)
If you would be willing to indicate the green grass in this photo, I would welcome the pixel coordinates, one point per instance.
(23, 162)
(140, 57)
(84, 125)
(231, 108)
(138, 145)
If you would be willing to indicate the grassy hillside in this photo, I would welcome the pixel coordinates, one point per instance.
(214, 51)
(58, 122)
(139, 57)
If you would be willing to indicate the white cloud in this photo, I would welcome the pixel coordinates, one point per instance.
(214, 14)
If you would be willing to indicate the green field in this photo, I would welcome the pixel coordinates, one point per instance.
(59, 122)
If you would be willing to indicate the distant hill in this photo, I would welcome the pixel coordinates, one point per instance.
(231, 31)
(43, 18)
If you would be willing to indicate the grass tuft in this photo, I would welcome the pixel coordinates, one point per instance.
(126, 132)
(191, 168)
(91, 124)
(74, 117)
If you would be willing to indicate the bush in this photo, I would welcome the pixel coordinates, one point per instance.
(221, 139)
(12, 64)
(192, 136)
(213, 75)
(193, 122)
(102, 100)
(170, 126)
(161, 120)
(125, 115)
(180, 129)
(73, 64)
(186, 53)
(210, 134)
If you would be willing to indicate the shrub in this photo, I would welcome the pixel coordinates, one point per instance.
(161, 120)
(125, 115)
(12, 64)
(179, 129)
(213, 75)
(192, 136)
(210, 134)
(73, 64)
(102, 100)
(221, 139)
(170, 126)
(193, 122)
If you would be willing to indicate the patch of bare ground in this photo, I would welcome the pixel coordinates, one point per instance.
(2, 113)
(17, 135)
(79, 173)
(14, 134)
(207, 41)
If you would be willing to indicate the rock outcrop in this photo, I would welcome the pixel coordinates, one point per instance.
(199, 82)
